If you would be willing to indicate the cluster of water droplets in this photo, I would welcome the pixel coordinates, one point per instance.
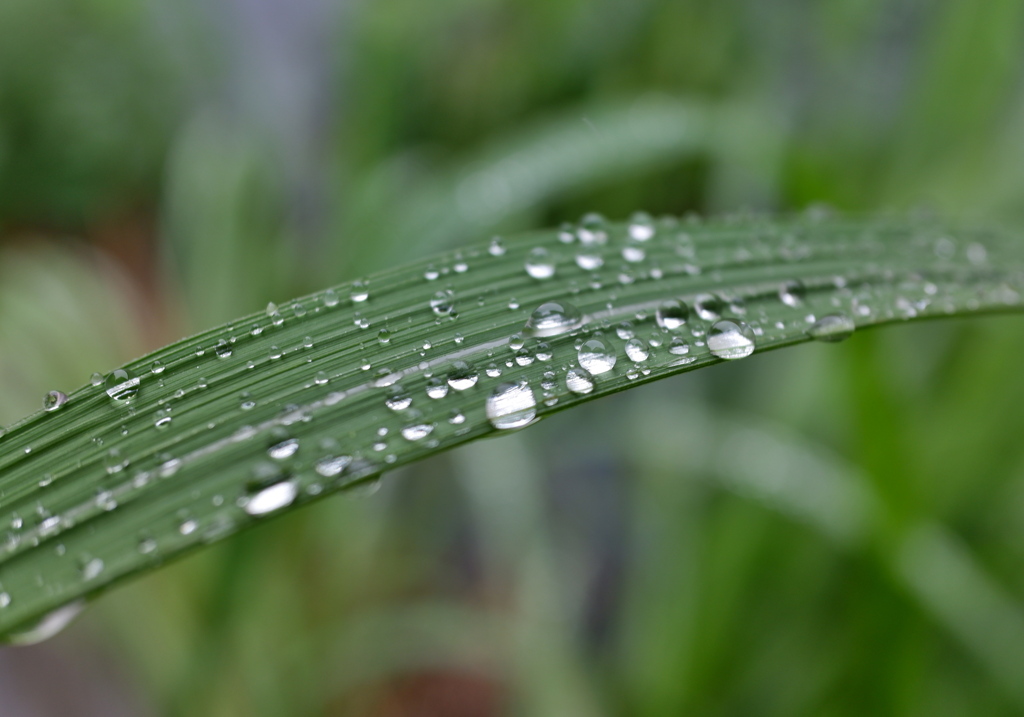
(488, 337)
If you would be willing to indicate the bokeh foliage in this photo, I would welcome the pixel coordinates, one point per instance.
(164, 167)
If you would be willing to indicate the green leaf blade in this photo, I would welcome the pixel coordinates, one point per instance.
(284, 407)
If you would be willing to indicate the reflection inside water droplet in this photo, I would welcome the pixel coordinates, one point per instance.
(731, 339)
(511, 405)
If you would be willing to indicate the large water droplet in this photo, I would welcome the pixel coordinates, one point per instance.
(672, 314)
(637, 350)
(47, 626)
(708, 307)
(596, 357)
(539, 264)
(54, 400)
(121, 385)
(731, 339)
(553, 318)
(578, 381)
(272, 498)
(511, 405)
(832, 328)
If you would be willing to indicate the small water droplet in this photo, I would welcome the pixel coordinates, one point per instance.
(332, 465)
(553, 318)
(442, 303)
(589, 261)
(331, 298)
(633, 254)
(284, 449)
(360, 292)
(398, 400)
(641, 226)
(417, 431)
(223, 349)
(596, 357)
(96, 379)
(539, 264)
(91, 569)
(156, 367)
(511, 405)
(54, 400)
(272, 498)
(672, 314)
(731, 339)
(637, 350)
(497, 247)
(578, 381)
(832, 328)
(792, 293)
(708, 307)
(274, 314)
(462, 376)
(121, 385)
(592, 229)
(680, 347)
(436, 388)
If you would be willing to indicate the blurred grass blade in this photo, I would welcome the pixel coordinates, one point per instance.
(209, 435)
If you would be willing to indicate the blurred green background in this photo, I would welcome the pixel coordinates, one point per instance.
(819, 531)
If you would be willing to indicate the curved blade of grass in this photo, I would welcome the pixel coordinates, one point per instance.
(325, 393)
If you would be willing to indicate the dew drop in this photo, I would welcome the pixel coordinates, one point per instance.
(46, 627)
(417, 431)
(637, 350)
(578, 382)
(442, 303)
(92, 569)
(596, 357)
(680, 347)
(731, 339)
(792, 294)
(331, 298)
(223, 349)
(708, 307)
(284, 449)
(436, 388)
(633, 254)
(332, 465)
(553, 318)
(360, 292)
(274, 314)
(588, 261)
(593, 229)
(497, 247)
(832, 328)
(272, 498)
(672, 314)
(462, 376)
(539, 264)
(54, 400)
(641, 226)
(121, 385)
(511, 405)
(398, 400)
